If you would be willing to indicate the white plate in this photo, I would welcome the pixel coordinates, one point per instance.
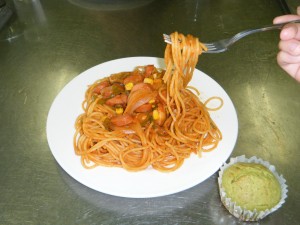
(148, 183)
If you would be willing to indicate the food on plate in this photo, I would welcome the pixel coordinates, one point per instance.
(148, 117)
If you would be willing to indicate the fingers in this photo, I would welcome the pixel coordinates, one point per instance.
(289, 63)
(291, 47)
(285, 18)
(290, 31)
(288, 57)
(285, 58)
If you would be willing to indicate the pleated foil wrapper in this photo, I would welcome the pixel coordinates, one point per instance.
(240, 212)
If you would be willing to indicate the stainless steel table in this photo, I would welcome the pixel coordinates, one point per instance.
(50, 42)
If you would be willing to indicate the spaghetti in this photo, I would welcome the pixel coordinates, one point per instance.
(147, 117)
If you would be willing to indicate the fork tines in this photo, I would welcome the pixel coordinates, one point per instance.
(167, 39)
(210, 46)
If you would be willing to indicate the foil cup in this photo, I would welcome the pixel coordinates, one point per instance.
(240, 212)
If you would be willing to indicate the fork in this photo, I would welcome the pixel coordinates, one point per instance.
(223, 45)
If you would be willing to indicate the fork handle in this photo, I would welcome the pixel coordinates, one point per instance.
(273, 26)
(278, 25)
(266, 28)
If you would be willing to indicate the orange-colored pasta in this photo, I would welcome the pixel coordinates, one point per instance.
(147, 117)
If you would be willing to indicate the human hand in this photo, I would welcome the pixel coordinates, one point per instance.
(288, 57)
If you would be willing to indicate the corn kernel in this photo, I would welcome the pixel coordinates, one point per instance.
(129, 86)
(148, 80)
(155, 114)
(152, 101)
(119, 110)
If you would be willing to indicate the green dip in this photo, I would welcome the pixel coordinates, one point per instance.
(251, 186)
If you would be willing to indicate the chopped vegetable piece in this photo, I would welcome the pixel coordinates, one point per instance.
(148, 80)
(119, 110)
(129, 86)
(155, 114)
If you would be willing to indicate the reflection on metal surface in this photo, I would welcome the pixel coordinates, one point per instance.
(196, 13)
(29, 18)
(11, 32)
(146, 206)
(30, 12)
(108, 5)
